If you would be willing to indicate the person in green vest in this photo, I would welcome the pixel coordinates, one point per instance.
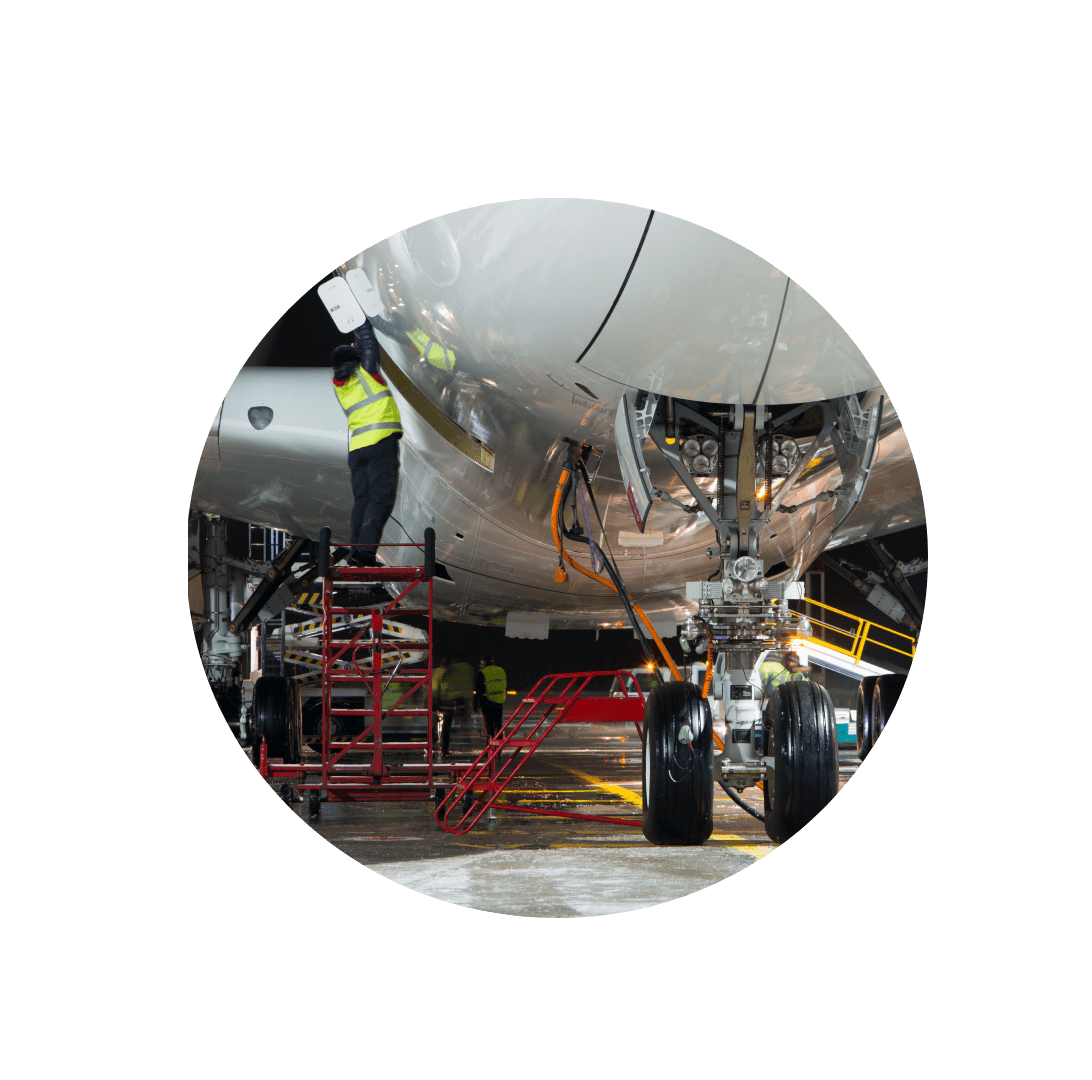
(457, 687)
(375, 428)
(773, 672)
(490, 686)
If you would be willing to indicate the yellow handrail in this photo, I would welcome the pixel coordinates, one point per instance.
(863, 633)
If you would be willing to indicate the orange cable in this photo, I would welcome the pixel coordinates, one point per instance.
(602, 580)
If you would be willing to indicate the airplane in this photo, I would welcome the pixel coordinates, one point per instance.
(608, 389)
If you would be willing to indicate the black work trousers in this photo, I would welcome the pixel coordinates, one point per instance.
(450, 712)
(492, 714)
(374, 473)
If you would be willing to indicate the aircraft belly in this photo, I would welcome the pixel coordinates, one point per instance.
(698, 319)
(514, 295)
(508, 286)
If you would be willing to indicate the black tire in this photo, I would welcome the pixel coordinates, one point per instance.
(885, 694)
(802, 738)
(677, 788)
(278, 716)
(864, 715)
(311, 712)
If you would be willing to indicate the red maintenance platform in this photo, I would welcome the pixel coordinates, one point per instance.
(555, 699)
(365, 663)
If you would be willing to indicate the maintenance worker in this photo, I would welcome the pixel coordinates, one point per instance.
(375, 427)
(438, 673)
(490, 686)
(457, 687)
(774, 672)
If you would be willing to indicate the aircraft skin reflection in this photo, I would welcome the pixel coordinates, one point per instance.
(549, 315)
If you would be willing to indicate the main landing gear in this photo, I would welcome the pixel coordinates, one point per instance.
(876, 698)
(278, 717)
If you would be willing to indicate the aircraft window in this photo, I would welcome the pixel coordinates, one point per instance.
(260, 417)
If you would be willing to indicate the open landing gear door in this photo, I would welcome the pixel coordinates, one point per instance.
(631, 424)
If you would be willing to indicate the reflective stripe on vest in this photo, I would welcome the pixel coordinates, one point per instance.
(495, 683)
(773, 673)
(370, 408)
(432, 351)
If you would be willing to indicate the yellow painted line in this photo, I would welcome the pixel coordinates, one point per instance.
(621, 792)
(757, 850)
(526, 793)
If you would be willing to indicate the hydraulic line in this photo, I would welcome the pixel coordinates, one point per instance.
(559, 495)
(612, 570)
(562, 485)
(739, 802)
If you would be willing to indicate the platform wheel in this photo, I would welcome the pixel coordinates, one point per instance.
(278, 716)
(885, 694)
(314, 804)
(802, 738)
(677, 789)
(864, 715)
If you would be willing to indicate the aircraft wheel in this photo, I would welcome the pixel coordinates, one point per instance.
(864, 716)
(802, 738)
(677, 794)
(884, 696)
(313, 728)
(277, 715)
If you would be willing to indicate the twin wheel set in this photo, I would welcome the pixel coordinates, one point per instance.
(800, 734)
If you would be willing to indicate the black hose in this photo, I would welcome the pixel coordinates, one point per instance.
(608, 565)
(739, 802)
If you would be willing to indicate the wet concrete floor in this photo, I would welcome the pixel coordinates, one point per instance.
(527, 864)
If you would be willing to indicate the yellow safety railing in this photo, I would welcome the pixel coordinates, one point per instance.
(860, 633)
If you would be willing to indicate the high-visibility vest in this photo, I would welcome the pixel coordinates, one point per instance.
(414, 699)
(432, 350)
(495, 684)
(773, 673)
(371, 410)
(458, 681)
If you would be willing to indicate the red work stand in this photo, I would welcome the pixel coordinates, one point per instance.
(357, 769)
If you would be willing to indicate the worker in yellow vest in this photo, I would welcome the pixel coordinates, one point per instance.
(457, 687)
(772, 672)
(490, 687)
(375, 427)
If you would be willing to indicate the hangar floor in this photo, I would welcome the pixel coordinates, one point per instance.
(526, 864)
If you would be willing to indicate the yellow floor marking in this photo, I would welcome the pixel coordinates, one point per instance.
(527, 793)
(621, 792)
(756, 850)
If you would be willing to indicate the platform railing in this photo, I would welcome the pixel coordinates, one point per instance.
(553, 700)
